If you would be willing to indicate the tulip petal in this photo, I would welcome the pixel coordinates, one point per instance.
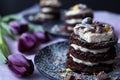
(20, 65)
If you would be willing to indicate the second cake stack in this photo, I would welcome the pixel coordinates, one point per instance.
(75, 15)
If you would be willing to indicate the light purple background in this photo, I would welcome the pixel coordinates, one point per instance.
(103, 16)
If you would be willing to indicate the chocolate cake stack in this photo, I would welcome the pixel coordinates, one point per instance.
(91, 47)
(50, 9)
(75, 14)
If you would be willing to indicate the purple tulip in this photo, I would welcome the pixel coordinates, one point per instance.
(27, 42)
(42, 37)
(20, 65)
(18, 27)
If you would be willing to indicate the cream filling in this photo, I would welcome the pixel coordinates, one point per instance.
(73, 21)
(45, 16)
(50, 2)
(76, 47)
(70, 28)
(89, 63)
(83, 62)
(77, 12)
(45, 10)
(72, 12)
(92, 37)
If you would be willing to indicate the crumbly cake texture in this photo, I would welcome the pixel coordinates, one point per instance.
(75, 15)
(50, 9)
(91, 47)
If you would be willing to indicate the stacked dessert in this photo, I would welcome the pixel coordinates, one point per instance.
(50, 9)
(75, 15)
(91, 47)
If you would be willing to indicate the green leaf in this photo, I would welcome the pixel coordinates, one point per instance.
(3, 59)
(6, 30)
(34, 28)
(9, 18)
(4, 50)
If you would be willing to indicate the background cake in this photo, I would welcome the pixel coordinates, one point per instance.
(91, 47)
(75, 14)
(49, 9)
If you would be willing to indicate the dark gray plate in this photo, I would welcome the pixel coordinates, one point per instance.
(56, 30)
(51, 58)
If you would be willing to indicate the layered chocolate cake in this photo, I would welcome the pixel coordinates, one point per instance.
(75, 14)
(50, 9)
(91, 47)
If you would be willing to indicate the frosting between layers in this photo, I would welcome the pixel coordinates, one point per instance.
(46, 9)
(82, 61)
(76, 47)
(50, 3)
(92, 37)
(89, 63)
(73, 21)
(45, 16)
(77, 12)
(70, 28)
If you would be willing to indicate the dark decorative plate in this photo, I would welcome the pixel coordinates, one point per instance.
(50, 62)
(29, 18)
(56, 30)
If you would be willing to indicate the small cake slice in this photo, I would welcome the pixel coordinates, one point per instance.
(49, 9)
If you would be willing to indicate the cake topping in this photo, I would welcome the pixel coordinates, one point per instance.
(79, 6)
(87, 20)
(93, 26)
(93, 31)
(50, 2)
(107, 28)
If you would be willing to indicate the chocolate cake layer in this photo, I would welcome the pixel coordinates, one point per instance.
(55, 15)
(51, 6)
(79, 16)
(88, 69)
(88, 56)
(68, 31)
(100, 45)
(67, 24)
(54, 12)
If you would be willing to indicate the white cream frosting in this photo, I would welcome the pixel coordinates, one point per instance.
(45, 16)
(72, 12)
(76, 47)
(73, 21)
(88, 62)
(92, 37)
(46, 9)
(83, 62)
(50, 2)
(76, 12)
(70, 28)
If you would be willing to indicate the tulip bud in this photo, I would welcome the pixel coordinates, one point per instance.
(18, 27)
(20, 65)
(27, 42)
(42, 37)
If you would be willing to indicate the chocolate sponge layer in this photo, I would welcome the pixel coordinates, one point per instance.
(88, 56)
(100, 45)
(88, 69)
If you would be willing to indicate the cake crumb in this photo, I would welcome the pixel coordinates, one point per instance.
(68, 70)
(64, 75)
